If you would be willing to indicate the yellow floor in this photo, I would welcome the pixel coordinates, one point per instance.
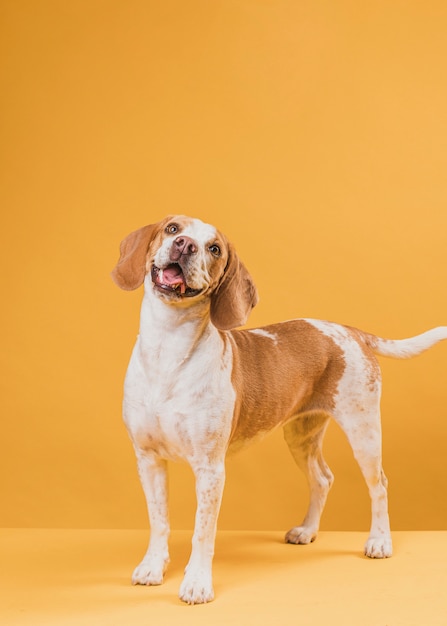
(83, 577)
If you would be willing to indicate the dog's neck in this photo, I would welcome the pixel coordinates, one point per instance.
(173, 329)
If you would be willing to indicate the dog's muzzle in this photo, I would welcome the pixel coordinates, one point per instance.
(171, 279)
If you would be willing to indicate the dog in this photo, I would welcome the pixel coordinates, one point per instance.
(197, 388)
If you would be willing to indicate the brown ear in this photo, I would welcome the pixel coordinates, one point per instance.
(235, 295)
(130, 270)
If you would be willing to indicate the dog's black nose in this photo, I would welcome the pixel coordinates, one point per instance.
(182, 246)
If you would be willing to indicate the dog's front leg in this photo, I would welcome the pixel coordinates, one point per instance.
(197, 585)
(153, 476)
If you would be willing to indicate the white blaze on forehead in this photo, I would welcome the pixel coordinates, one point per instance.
(199, 231)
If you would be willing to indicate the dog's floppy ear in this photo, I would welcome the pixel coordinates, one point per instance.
(235, 295)
(130, 270)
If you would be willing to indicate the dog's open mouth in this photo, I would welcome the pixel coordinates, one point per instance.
(171, 279)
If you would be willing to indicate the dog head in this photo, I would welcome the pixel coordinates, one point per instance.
(186, 261)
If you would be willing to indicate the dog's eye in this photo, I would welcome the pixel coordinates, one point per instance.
(215, 250)
(171, 229)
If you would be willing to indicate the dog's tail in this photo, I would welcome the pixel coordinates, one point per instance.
(406, 348)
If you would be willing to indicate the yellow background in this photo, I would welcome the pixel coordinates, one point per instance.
(313, 133)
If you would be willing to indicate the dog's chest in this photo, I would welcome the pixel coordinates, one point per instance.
(175, 401)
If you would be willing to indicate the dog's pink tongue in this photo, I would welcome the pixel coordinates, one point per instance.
(173, 276)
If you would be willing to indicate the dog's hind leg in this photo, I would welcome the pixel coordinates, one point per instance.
(363, 431)
(304, 436)
(357, 411)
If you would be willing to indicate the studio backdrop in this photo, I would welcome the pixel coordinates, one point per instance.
(313, 134)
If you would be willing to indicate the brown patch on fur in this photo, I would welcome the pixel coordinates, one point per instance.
(275, 383)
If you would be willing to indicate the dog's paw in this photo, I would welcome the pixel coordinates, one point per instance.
(378, 547)
(196, 588)
(300, 535)
(149, 572)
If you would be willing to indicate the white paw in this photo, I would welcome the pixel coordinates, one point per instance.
(300, 534)
(149, 572)
(196, 588)
(379, 547)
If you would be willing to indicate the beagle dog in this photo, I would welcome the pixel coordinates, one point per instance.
(196, 388)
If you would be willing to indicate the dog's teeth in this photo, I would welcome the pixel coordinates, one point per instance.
(160, 275)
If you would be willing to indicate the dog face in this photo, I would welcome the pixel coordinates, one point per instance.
(188, 261)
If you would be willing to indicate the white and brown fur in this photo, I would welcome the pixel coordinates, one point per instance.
(196, 389)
